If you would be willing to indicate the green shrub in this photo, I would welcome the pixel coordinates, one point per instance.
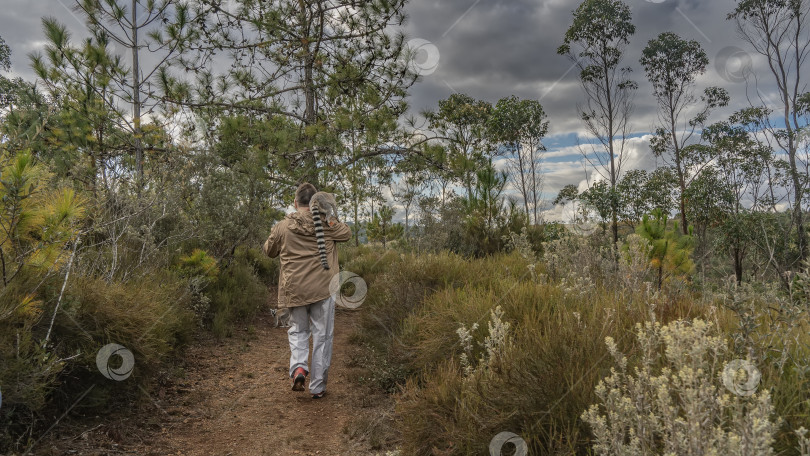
(236, 296)
(198, 263)
(266, 269)
(146, 315)
(222, 296)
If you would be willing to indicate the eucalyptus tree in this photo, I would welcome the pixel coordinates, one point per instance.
(5, 65)
(300, 59)
(521, 125)
(672, 64)
(602, 199)
(461, 121)
(708, 200)
(407, 192)
(596, 42)
(641, 193)
(567, 194)
(15, 94)
(5, 55)
(778, 31)
(742, 160)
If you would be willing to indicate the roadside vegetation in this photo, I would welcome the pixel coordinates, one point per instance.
(666, 312)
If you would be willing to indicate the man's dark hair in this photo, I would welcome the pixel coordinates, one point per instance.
(304, 193)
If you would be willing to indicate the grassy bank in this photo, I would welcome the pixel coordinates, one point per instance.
(49, 358)
(513, 343)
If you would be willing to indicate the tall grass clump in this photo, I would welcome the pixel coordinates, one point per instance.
(515, 342)
(397, 286)
(44, 368)
(510, 342)
(536, 383)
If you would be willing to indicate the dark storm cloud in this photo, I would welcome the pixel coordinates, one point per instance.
(491, 49)
(21, 28)
(488, 48)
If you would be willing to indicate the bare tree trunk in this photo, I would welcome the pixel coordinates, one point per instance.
(738, 267)
(310, 114)
(679, 166)
(136, 98)
(613, 178)
(356, 225)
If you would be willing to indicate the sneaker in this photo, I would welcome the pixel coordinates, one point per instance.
(319, 395)
(300, 376)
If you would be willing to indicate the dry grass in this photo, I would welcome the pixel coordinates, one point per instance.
(540, 387)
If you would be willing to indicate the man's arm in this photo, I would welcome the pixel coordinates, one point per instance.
(339, 232)
(272, 246)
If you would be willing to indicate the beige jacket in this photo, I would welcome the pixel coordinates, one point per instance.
(303, 280)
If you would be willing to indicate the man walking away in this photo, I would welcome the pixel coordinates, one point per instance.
(304, 289)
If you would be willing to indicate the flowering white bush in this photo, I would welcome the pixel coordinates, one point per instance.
(466, 339)
(495, 343)
(520, 243)
(674, 402)
(804, 442)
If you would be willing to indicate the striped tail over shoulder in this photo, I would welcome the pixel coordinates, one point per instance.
(319, 237)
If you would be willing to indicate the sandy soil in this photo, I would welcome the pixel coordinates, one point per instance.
(235, 398)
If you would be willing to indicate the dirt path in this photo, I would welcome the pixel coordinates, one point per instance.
(235, 399)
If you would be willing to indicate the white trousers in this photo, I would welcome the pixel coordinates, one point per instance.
(317, 320)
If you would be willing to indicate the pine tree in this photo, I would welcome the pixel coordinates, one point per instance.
(382, 227)
(670, 250)
(36, 222)
(302, 59)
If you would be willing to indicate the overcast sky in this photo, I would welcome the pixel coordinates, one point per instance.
(491, 49)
